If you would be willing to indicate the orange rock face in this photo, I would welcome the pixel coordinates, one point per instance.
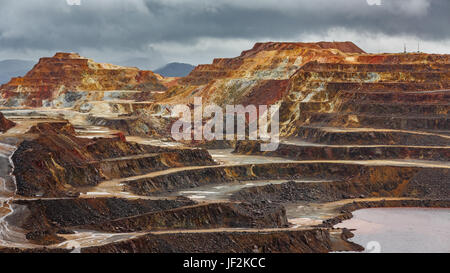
(68, 72)
(309, 77)
(266, 65)
(369, 91)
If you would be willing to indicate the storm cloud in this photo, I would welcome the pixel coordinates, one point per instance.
(157, 31)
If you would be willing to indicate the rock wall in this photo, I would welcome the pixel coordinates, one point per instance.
(55, 162)
(58, 80)
(345, 180)
(337, 95)
(5, 124)
(317, 152)
(308, 241)
(43, 219)
(202, 216)
(371, 182)
(310, 79)
(257, 76)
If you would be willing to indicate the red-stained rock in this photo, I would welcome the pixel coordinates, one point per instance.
(66, 72)
(308, 79)
(5, 124)
(257, 76)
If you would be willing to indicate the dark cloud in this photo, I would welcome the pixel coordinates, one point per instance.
(132, 29)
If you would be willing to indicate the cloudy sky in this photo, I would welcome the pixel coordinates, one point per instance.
(150, 33)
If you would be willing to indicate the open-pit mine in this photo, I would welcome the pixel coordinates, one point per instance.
(88, 163)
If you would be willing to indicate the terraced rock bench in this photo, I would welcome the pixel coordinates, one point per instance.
(55, 162)
(298, 150)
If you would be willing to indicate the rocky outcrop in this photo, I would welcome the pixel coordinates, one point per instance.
(370, 182)
(349, 136)
(335, 95)
(55, 162)
(59, 80)
(136, 125)
(61, 215)
(5, 124)
(202, 216)
(307, 241)
(350, 179)
(43, 220)
(325, 84)
(257, 76)
(270, 241)
(303, 151)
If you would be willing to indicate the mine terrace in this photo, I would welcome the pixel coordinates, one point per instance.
(87, 158)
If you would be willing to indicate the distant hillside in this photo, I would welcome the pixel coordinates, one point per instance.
(13, 68)
(175, 70)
